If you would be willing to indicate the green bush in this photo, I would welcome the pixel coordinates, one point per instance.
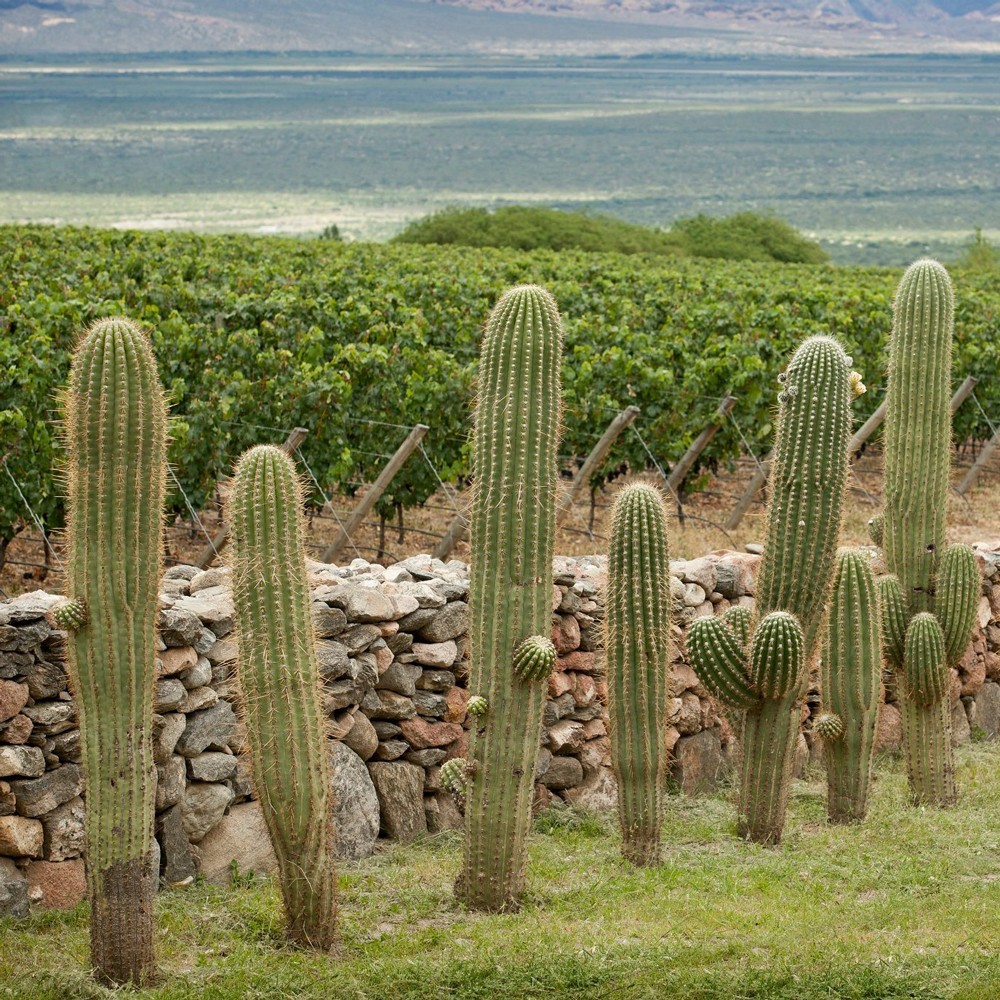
(746, 236)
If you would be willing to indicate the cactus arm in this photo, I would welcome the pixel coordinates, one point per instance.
(850, 683)
(957, 599)
(279, 681)
(876, 529)
(893, 619)
(777, 655)
(637, 642)
(717, 657)
(924, 665)
(512, 540)
(739, 621)
(115, 434)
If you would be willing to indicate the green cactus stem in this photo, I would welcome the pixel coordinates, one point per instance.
(510, 601)
(637, 644)
(115, 434)
(931, 580)
(768, 676)
(740, 622)
(279, 681)
(850, 684)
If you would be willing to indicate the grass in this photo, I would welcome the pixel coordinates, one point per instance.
(901, 906)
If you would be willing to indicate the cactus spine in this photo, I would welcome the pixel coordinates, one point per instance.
(850, 683)
(116, 433)
(929, 580)
(637, 622)
(510, 601)
(770, 679)
(280, 686)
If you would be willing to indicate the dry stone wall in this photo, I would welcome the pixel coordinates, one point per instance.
(394, 651)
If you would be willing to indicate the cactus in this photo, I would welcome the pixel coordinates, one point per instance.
(767, 676)
(928, 580)
(637, 622)
(279, 681)
(850, 683)
(477, 706)
(115, 434)
(510, 601)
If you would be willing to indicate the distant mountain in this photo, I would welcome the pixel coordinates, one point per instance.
(30, 27)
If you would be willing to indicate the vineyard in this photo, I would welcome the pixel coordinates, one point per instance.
(358, 343)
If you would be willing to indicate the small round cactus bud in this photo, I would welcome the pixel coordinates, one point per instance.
(876, 528)
(453, 777)
(535, 658)
(829, 726)
(71, 616)
(477, 705)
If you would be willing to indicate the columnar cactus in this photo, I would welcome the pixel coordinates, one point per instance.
(115, 434)
(510, 602)
(768, 676)
(850, 685)
(280, 685)
(637, 623)
(931, 597)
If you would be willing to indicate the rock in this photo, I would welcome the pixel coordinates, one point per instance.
(177, 861)
(426, 758)
(52, 716)
(56, 885)
(17, 731)
(21, 837)
(356, 803)
(696, 762)
(38, 796)
(196, 700)
(361, 737)
(436, 654)
(63, 831)
(436, 680)
(393, 706)
(176, 660)
(27, 762)
(889, 729)
(167, 731)
(961, 731)
(565, 634)
(198, 675)
(442, 813)
(456, 699)
(217, 576)
(327, 621)
(689, 720)
(449, 622)
(400, 677)
(597, 791)
(170, 782)
(13, 891)
(972, 673)
(430, 704)
(561, 682)
(46, 680)
(210, 766)
(359, 604)
(202, 806)
(334, 659)
(13, 697)
(988, 709)
(565, 737)
(580, 661)
(359, 637)
(242, 837)
(562, 772)
(421, 734)
(179, 627)
(400, 790)
(170, 692)
(391, 750)
(210, 729)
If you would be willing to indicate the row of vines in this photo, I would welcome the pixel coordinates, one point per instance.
(254, 335)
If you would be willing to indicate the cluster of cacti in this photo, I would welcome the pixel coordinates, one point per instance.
(510, 601)
(280, 686)
(932, 593)
(637, 633)
(116, 432)
(766, 674)
(850, 685)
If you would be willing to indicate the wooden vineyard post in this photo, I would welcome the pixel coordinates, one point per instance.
(380, 485)
(962, 393)
(698, 445)
(594, 459)
(218, 543)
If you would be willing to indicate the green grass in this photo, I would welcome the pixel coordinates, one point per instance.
(901, 906)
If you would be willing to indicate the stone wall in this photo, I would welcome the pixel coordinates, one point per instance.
(393, 651)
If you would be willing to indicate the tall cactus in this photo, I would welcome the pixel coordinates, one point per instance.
(850, 684)
(926, 578)
(115, 434)
(768, 677)
(637, 624)
(280, 683)
(510, 602)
